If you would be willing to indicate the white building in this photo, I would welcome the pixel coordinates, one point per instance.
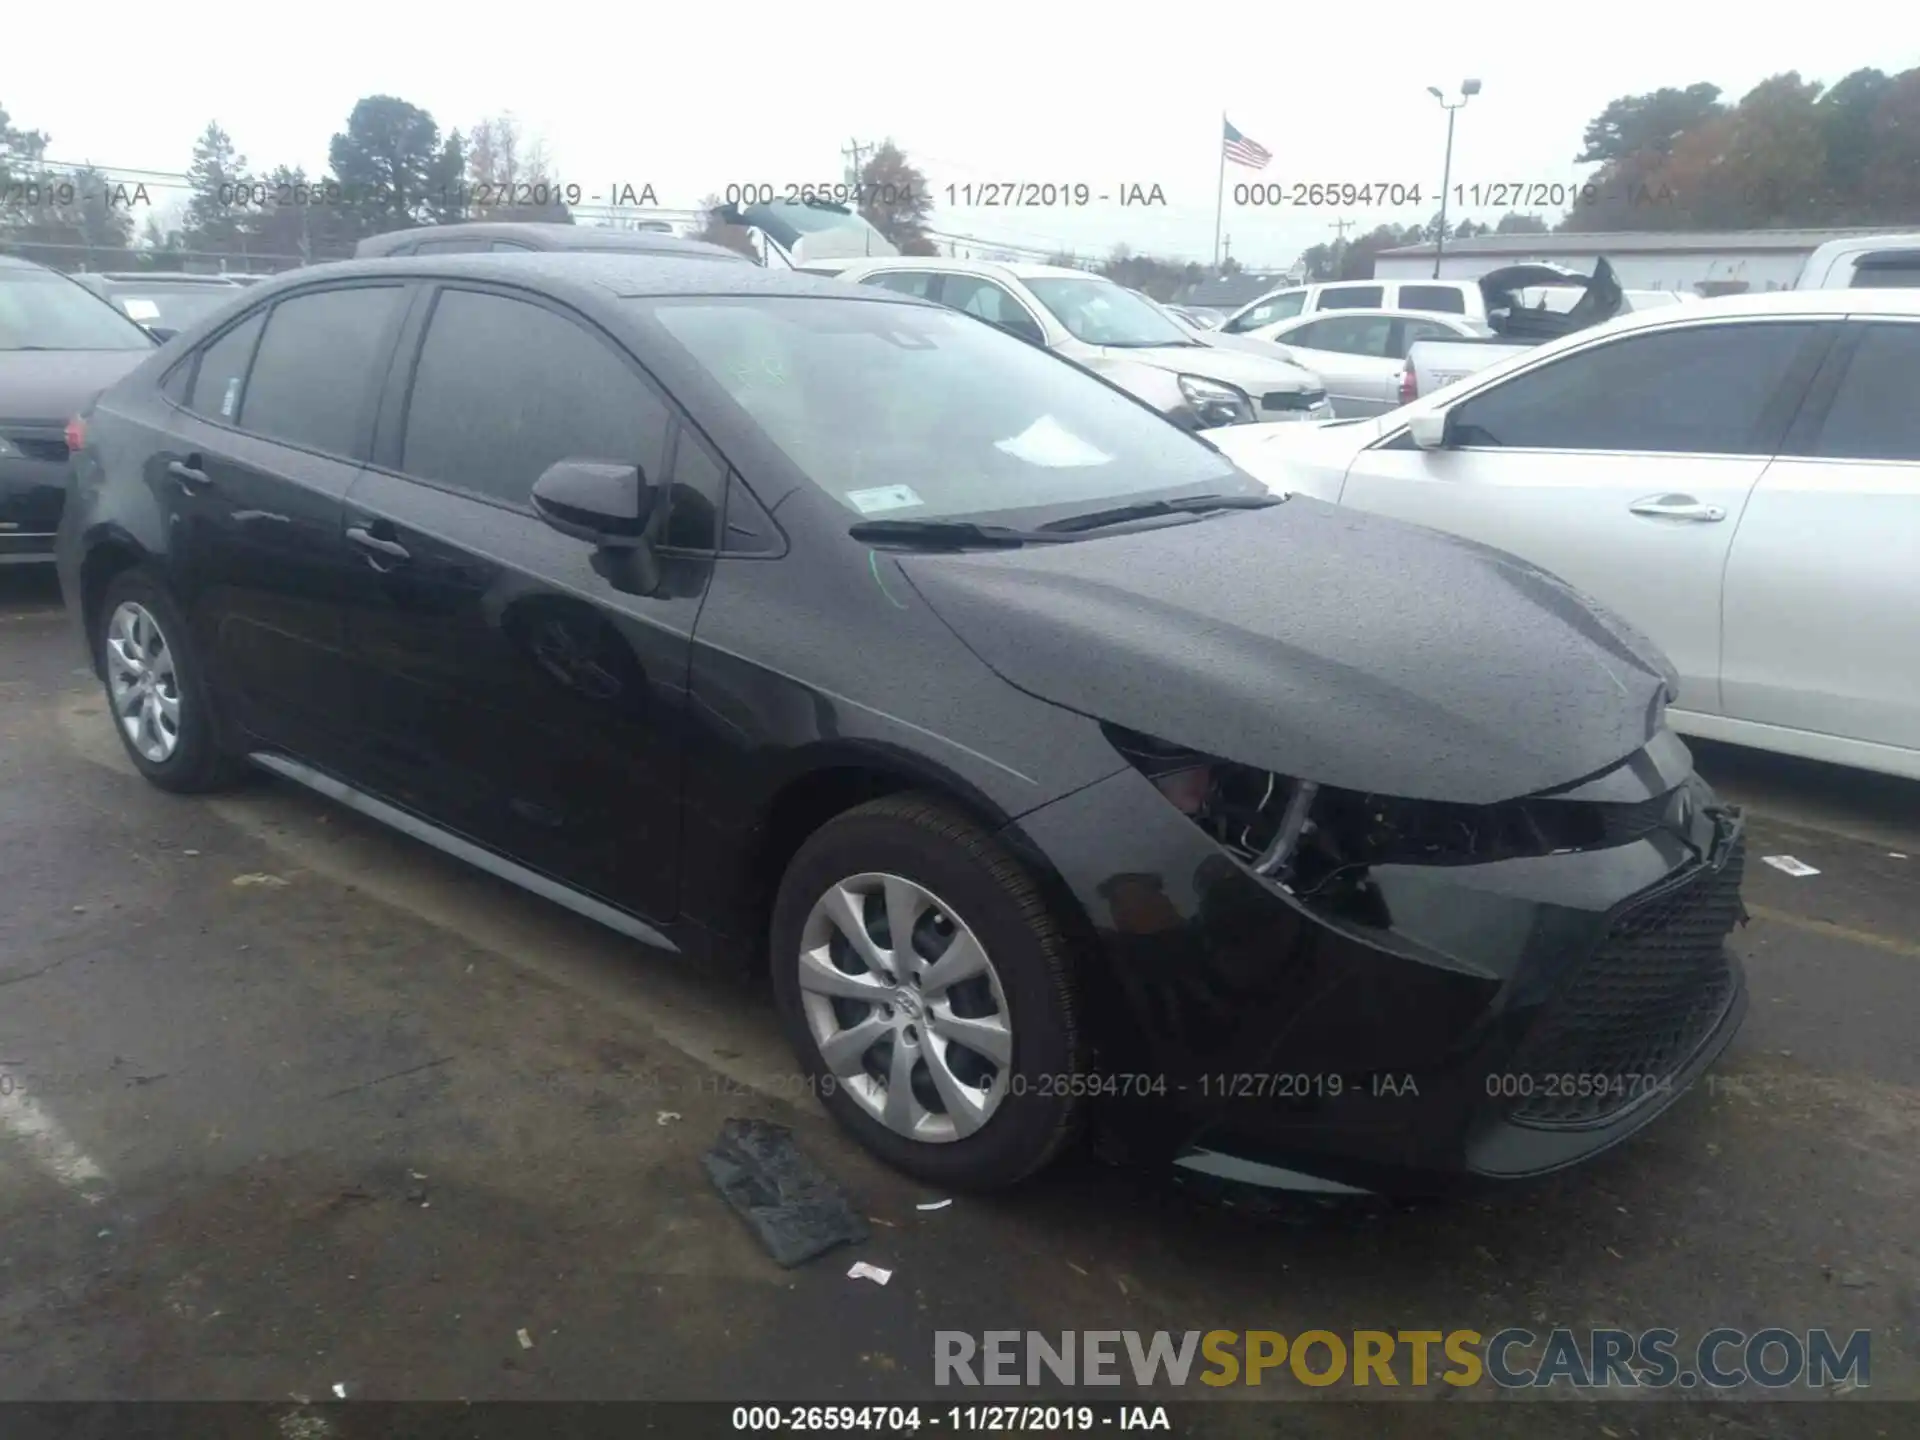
(1705, 262)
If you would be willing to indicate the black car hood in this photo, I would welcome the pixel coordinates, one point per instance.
(1318, 642)
(49, 386)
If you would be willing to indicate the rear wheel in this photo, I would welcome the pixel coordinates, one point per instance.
(928, 992)
(157, 690)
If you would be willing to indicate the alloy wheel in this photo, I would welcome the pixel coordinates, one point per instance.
(143, 683)
(905, 1007)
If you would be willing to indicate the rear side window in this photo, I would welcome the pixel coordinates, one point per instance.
(907, 282)
(1348, 335)
(505, 388)
(1706, 389)
(1352, 297)
(1442, 298)
(1873, 416)
(315, 371)
(223, 370)
(457, 246)
(1887, 270)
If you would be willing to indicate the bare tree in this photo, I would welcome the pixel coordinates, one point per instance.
(509, 173)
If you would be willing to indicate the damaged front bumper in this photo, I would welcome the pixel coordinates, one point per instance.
(1492, 1020)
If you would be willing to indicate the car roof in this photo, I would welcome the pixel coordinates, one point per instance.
(987, 269)
(1855, 244)
(1775, 302)
(550, 235)
(168, 277)
(604, 274)
(19, 262)
(1379, 312)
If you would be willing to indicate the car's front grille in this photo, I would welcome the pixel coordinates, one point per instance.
(1283, 400)
(1622, 1023)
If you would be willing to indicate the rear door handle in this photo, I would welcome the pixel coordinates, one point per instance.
(191, 477)
(367, 540)
(1677, 507)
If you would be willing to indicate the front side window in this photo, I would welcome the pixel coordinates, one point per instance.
(1283, 306)
(1705, 389)
(1873, 416)
(504, 388)
(314, 375)
(1887, 270)
(1349, 335)
(1099, 312)
(42, 310)
(905, 412)
(1352, 297)
(971, 295)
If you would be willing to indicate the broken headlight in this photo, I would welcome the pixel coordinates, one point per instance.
(1314, 838)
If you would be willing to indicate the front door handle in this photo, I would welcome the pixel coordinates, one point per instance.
(367, 540)
(1677, 507)
(190, 476)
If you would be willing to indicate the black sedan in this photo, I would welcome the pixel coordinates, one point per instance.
(1058, 771)
(59, 347)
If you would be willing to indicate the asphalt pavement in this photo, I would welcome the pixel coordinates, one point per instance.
(289, 1102)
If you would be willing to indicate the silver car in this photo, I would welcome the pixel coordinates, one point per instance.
(1359, 354)
(1116, 333)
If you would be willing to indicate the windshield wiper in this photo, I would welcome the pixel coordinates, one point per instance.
(948, 533)
(1147, 509)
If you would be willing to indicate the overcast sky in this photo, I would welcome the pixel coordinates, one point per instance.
(690, 98)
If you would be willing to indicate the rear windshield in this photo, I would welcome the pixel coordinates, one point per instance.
(173, 306)
(912, 412)
(40, 310)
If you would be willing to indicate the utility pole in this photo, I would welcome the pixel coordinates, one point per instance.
(1340, 228)
(856, 156)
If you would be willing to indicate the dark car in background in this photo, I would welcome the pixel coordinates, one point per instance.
(1058, 770)
(59, 347)
(166, 302)
(512, 237)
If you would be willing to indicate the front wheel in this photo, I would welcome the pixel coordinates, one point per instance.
(928, 992)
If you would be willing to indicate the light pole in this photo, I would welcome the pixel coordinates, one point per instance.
(1468, 89)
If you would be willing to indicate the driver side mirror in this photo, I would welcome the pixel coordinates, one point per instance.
(603, 503)
(1434, 430)
(161, 333)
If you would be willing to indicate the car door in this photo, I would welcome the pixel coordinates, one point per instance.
(1623, 466)
(1349, 353)
(270, 421)
(1822, 606)
(525, 698)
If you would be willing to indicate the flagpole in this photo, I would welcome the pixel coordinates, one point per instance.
(1220, 190)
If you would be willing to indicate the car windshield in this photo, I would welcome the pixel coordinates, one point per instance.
(912, 412)
(1100, 312)
(174, 306)
(40, 310)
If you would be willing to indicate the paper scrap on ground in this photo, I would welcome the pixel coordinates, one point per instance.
(340, 1390)
(934, 1205)
(1790, 865)
(526, 1340)
(863, 1271)
(272, 881)
(667, 1117)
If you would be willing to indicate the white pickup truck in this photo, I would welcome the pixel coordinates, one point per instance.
(1526, 304)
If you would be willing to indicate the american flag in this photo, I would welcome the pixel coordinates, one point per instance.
(1242, 151)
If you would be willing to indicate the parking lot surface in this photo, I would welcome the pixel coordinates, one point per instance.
(288, 1102)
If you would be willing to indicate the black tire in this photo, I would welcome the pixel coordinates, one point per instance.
(197, 764)
(932, 844)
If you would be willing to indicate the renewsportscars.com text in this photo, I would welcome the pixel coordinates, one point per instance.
(1513, 1358)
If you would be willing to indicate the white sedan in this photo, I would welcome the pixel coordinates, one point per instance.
(1740, 478)
(1360, 353)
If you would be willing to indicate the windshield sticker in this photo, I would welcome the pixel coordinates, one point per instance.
(1049, 443)
(231, 400)
(138, 309)
(882, 498)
